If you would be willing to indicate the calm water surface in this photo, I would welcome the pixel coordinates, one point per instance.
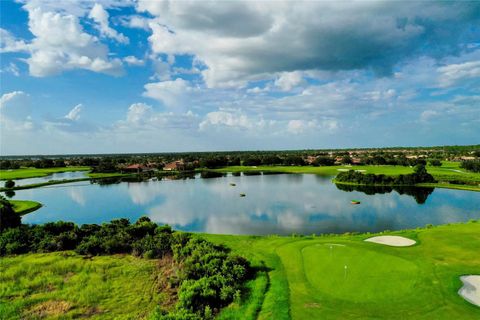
(274, 204)
(53, 176)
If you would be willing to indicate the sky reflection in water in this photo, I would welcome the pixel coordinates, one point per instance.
(274, 204)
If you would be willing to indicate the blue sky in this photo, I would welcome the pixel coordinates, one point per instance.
(157, 76)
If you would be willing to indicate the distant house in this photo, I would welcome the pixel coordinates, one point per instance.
(136, 168)
(174, 166)
(310, 159)
(356, 161)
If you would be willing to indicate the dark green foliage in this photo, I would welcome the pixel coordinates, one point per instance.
(212, 276)
(9, 184)
(473, 165)
(8, 217)
(324, 161)
(435, 163)
(209, 277)
(211, 174)
(420, 175)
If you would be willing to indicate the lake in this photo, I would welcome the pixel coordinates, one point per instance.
(273, 204)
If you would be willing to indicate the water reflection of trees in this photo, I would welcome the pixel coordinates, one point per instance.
(420, 194)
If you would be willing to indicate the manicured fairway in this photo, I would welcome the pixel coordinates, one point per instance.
(23, 173)
(417, 282)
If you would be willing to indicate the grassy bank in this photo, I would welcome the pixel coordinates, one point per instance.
(67, 286)
(298, 278)
(308, 278)
(24, 173)
(25, 206)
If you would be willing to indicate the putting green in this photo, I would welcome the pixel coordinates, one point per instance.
(358, 275)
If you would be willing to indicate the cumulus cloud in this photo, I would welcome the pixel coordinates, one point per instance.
(101, 16)
(240, 41)
(133, 61)
(138, 113)
(228, 119)
(174, 93)
(61, 44)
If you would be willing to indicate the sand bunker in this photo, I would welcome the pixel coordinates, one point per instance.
(343, 170)
(395, 241)
(471, 289)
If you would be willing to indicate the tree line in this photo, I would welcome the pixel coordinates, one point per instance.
(473, 165)
(419, 175)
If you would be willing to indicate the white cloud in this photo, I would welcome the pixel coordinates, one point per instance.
(242, 41)
(133, 61)
(15, 105)
(60, 43)
(135, 21)
(11, 68)
(74, 114)
(174, 93)
(138, 113)
(455, 73)
(288, 80)
(15, 112)
(8, 43)
(299, 126)
(236, 119)
(101, 16)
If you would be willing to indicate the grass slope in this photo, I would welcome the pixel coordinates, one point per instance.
(68, 286)
(25, 206)
(308, 278)
(24, 173)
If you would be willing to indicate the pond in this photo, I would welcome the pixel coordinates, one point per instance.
(272, 204)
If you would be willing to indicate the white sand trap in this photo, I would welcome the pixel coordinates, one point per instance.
(395, 241)
(471, 289)
(343, 170)
(360, 170)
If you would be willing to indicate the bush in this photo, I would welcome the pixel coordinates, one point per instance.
(8, 217)
(9, 184)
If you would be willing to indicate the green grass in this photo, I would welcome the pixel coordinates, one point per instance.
(308, 279)
(24, 173)
(70, 286)
(298, 278)
(449, 171)
(25, 206)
